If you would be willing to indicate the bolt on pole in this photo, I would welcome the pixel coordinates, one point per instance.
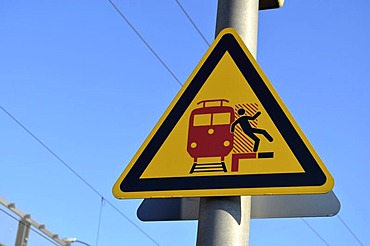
(226, 220)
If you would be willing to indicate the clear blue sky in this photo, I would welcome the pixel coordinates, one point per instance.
(77, 76)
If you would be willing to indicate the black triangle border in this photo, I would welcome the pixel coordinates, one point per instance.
(313, 175)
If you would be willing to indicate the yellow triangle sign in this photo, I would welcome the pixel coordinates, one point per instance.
(226, 133)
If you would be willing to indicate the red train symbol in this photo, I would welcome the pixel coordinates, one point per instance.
(209, 134)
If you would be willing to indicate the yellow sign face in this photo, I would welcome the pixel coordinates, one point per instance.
(226, 133)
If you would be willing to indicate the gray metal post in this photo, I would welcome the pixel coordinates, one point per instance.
(242, 15)
(226, 220)
(23, 233)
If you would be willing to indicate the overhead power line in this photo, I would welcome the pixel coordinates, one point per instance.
(349, 229)
(314, 231)
(144, 41)
(75, 173)
(193, 23)
(102, 204)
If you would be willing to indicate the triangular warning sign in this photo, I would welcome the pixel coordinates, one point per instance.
(226, 133)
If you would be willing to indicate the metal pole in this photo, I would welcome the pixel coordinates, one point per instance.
(226, 220)
(242, 15)
(23, 233)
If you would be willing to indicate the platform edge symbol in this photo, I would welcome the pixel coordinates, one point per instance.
(316, 178)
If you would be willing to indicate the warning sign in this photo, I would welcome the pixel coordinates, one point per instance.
(227, 132)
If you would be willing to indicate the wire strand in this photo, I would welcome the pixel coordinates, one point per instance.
(193, 23)
(29, 226)
(316, 233)
(102, 203)
(142, 231)
(74, 172)
(349, 229)
(49, 150)
(144, 41)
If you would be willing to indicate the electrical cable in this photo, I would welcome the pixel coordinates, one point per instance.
(192, 22)
(20, 221)
(144, 41)
(75, 173)
(102, 204)
(120, 212)
(349, 229)
(316, 233)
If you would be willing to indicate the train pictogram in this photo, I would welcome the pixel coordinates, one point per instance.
(216, 129)
(209, 134)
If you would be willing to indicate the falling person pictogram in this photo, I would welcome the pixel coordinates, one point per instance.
(248, 130)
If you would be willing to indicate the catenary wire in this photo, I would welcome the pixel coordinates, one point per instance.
(75, 173)
(20, 221)
(314, 231)
(144, 41)
(349, 229)
(102, 204)
(193, 23)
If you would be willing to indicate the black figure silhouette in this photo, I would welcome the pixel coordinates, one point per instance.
(243, 120)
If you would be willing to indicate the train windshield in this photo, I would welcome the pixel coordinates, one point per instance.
(212, 119)
(221, 118)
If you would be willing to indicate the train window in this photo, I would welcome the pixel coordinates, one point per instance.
(202, 119)
(221, 118)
